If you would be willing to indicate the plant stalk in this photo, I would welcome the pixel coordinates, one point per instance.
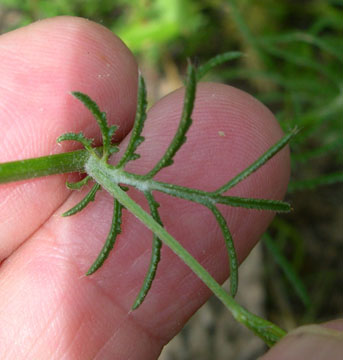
(42, 166)
(269, 332)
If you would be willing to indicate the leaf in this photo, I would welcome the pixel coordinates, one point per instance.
(100, 118)
(115, 230)
(155, 254)
(185, 123)
(250, 203)
(258, 163)
(268, 331)
(204, 198)
(115, 180)
(78, 185)
(136, 139)
(230, 249)
(84, 202)
(87, 143)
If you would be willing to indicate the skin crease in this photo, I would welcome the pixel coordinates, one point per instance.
(48, 308)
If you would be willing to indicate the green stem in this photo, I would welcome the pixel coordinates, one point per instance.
(268, 331)
(75, 161)
(46, 165)
(195, 195)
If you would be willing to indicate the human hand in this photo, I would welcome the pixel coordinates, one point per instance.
(48, 308)
(312, 342)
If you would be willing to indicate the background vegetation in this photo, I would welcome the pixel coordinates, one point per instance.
(294, 64)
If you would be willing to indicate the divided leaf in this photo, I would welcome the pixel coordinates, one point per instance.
(114, 179)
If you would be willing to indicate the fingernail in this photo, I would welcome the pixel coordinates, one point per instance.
(308, 342)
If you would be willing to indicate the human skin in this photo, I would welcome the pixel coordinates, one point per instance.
(315, 342)
(48, 308)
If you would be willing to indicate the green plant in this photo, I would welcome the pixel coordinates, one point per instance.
(115, 180)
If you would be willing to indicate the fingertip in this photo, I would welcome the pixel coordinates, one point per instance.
(43, 62)
(40, 65)
(308, 342)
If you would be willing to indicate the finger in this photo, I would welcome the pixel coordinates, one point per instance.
(39, 66)
(310, 342)
(61, 251)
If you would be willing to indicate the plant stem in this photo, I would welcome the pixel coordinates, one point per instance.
(268, 331)
(75, 161)
(46, 165)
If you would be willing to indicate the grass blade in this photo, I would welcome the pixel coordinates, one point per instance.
(333, 178)
(287, 269)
